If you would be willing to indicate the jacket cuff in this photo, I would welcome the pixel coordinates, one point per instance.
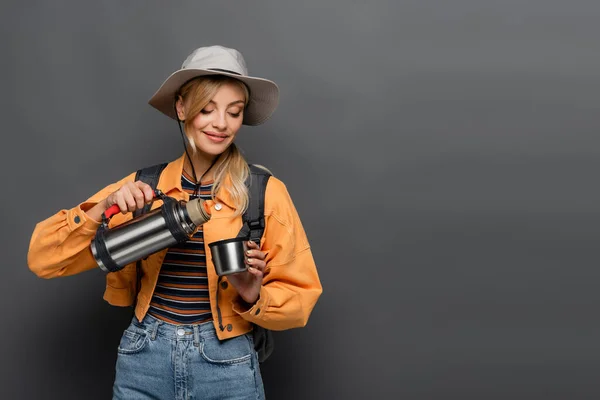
(252, 312)
(78, 219)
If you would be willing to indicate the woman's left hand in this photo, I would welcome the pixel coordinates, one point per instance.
(248, 283)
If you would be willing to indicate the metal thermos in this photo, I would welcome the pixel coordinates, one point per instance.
(172, 223)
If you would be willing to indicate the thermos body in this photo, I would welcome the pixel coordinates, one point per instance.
(147, 234)
(133, 241)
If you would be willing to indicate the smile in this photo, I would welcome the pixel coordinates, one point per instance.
(216, 137)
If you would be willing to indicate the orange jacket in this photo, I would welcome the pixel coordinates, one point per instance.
(60, 246)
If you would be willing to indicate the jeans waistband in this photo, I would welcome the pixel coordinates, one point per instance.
(155, 327)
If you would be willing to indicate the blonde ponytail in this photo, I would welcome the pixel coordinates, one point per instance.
(235, 166)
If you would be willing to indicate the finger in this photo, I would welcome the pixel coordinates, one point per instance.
(255, 263)
(131, 191)
(261, 255)
(138, 196)
(147, 190)
(120, 200)
(255, 272)
(252, 245)
(129, 200)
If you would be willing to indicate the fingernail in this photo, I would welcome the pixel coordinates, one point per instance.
(248, 252)
(249, 261)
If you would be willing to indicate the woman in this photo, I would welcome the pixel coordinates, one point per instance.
(175, 347)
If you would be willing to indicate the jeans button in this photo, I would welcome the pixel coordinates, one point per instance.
(180, 332)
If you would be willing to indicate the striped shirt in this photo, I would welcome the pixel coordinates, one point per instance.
(181, 294)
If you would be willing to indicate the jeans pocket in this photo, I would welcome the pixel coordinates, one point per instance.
(229, 351)
(133, 340)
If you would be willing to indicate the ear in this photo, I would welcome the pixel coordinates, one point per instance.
(180, 109)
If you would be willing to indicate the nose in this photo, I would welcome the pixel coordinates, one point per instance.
(220, 121)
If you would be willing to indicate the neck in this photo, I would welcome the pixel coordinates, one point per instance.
(201, 164)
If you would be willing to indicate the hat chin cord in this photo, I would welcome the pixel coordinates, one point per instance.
(185, 147)
(196, 190)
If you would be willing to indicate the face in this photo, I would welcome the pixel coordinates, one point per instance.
(215, 127)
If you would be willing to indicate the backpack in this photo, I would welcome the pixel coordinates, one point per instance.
(253, 228)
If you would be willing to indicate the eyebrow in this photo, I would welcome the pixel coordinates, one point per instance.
(230, 104)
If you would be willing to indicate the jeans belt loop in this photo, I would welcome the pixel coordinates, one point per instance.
(154, 330)
(196, 336)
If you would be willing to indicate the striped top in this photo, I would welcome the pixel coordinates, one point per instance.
(181, 293)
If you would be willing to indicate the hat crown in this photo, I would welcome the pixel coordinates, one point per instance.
(219, 60)
(216, 58)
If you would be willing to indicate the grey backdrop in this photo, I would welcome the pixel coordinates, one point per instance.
(442, 155)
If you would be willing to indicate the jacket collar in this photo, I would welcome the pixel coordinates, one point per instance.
(170, 180)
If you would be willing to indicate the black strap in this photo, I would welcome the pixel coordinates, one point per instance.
(254, 217)
(253, 228)
(149, 175)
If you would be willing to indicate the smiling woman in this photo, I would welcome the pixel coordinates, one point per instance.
(212, 109)
(221, 101)
(173, 347)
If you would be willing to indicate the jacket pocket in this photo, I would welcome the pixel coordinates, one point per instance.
(125, 278)
(121, 286)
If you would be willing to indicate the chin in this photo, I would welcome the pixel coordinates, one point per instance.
(212, 150)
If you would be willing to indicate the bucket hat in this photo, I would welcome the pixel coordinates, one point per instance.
(219, 60)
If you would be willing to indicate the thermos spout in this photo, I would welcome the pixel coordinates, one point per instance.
(198, 211)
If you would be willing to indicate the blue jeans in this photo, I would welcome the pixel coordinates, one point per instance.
(158, 360)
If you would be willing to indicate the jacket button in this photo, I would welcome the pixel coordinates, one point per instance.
(224, 285)
(218, 206)
(76, 219)
(229, 327)
(257, 311)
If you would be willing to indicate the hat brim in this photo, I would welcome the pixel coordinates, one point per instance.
(264, 94)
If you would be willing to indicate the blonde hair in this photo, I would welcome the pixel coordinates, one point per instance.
(196, 94)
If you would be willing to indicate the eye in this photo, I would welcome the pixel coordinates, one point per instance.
(205, 111)
(235, 115)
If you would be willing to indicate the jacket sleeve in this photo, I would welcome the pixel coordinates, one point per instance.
(60, 245)
(291, 285)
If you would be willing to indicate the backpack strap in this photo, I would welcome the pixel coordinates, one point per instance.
(149, 175)
(253, 228)
(254, 217)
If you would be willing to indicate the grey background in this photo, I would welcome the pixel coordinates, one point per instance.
(442, 156)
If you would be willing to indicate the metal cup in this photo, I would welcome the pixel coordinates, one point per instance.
(229, 255)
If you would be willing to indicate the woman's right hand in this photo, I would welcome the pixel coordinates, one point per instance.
(129, 197)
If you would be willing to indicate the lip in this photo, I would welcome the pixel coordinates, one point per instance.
(215, 136)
